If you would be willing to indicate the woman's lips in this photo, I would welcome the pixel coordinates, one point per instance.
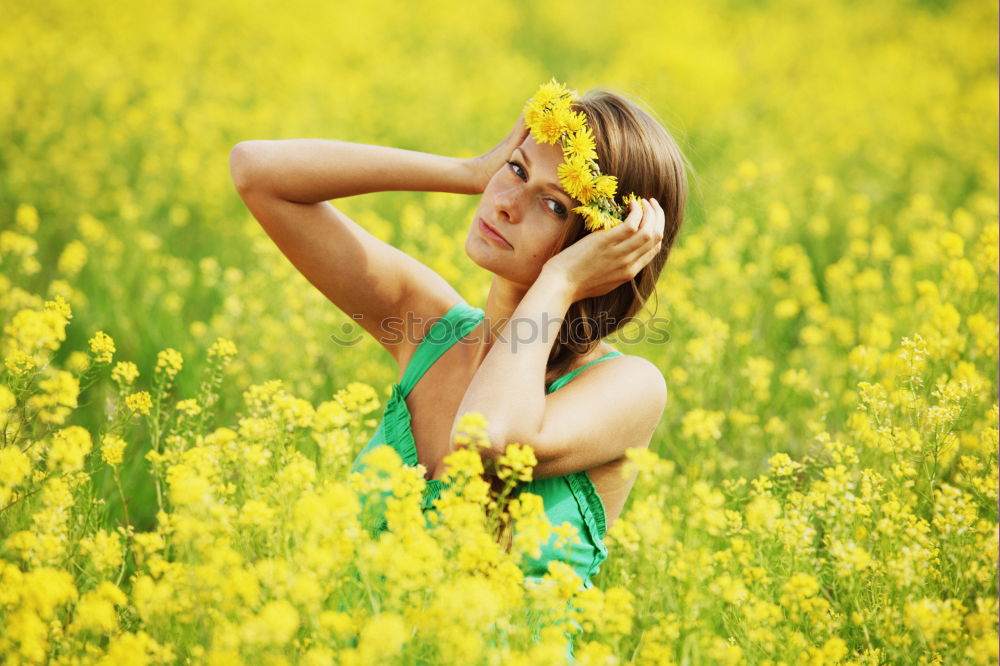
(492, 233)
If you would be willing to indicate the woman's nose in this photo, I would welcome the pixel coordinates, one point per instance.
(507, 204)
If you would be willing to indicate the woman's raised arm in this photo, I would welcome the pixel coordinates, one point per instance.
(285, 185)
(313, 170)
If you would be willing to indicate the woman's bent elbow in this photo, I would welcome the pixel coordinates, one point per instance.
(241, 160)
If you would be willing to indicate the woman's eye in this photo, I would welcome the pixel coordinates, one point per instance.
(518, 170)
(556, 207)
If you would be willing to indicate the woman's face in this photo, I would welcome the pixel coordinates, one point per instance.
(527, 206)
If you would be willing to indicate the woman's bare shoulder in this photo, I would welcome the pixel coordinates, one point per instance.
(629, 368)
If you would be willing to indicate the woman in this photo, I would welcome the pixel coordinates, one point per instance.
(558, 289)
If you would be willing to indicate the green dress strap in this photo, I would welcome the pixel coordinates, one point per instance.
(454, 325)
(568, 377)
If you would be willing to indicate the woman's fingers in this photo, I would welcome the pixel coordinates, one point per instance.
(631, 222)
(660, 219)
(640, 228)
(518, 134)
(645, 237)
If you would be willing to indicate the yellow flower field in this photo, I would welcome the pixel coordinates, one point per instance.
(179, 407)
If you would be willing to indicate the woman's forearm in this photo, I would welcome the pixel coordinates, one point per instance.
(314, 170)
(509, 386)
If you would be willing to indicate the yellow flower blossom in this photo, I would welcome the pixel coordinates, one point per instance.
(576, 177)
(222, 348)
(112, 449)
(57, 399)
(68, 447)
(169, 362)
(26, 218)
(104, 549)
(140, 402)
(7, 399)
(189, 407)
(14, 466)
(702, 424)
(124, 373)
(72, 259)
(358, 397)
(580, 144)
(518, 461)
(102, 347)
(96, 612)
(472, 429)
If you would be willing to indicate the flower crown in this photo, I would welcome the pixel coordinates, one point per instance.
(551, 119)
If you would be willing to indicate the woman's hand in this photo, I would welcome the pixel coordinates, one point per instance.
(484, 166)
(603, 260)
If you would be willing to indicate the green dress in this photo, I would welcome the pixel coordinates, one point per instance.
(571, 498)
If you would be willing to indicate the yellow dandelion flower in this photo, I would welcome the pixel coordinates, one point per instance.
(550, 118)
(580, 143)
(548, 93)
(577, 178)
(548, 128)
(590, 214)
(596, 219)
(606, 186)
(629, 198)
(575, 121)
(608, 221)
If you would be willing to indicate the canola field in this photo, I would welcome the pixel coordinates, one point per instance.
(179, 407)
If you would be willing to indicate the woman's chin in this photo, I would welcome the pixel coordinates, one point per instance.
(482, 255)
